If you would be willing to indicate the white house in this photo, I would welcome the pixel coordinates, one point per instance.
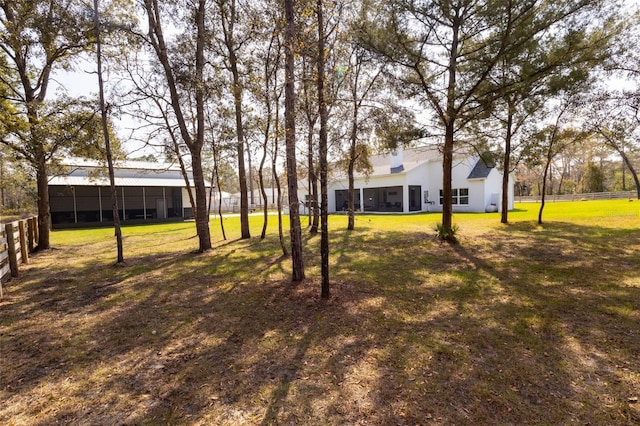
(410, 180)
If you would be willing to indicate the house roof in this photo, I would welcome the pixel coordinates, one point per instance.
(411, 158)
(73, 163)
(80, 172)
(480, 171)
(103, 181)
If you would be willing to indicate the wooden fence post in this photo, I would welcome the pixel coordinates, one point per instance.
(31, 234)
(24, 249)
(11, 244)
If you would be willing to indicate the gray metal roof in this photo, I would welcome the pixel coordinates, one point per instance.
(127, 182)
(78, 172)
(74, 162)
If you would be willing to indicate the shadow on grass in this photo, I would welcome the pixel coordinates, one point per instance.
(522, 326)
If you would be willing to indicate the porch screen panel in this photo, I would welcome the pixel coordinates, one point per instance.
(342, 199)
(384, 199)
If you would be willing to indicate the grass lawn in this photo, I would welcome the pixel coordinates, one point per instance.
(519, 324)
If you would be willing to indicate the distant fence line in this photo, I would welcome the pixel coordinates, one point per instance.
(578, 197)
(17, 240)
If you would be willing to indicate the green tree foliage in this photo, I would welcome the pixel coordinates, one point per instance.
(17, 191)
(613, 119)
(593, 178)
(553, 139)
(38, 38)
(445, 53)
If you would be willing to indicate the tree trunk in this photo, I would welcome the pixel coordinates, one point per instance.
(322, 105)
(447, 151)
(313, 183)
(202, 217)
(44, 216)
(195, 146)
(215, 168)
(265, 207)
(626, 161)
(211, 189)
(315, 204)
(185, 176)
(242, 174)
(107, 140)
(547, 167)
(290, 139)
(274, 173)
(252, 200)
(237, 101)
(507, 163)
(201, 214)
(276, 179)
(351, 224)
(351, 170)
(447, 166)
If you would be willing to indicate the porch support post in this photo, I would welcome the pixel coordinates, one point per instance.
(405, 198)
(124, 212)
(164, 199)
(75, 207)
(144, 203)
(100, 202)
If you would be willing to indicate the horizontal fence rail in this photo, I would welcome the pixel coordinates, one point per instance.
(578, 197)
(17, 240)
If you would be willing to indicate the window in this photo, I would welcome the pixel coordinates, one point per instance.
(458, 196)
(463, 196)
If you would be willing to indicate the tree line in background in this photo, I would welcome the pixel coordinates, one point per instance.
(241, 93)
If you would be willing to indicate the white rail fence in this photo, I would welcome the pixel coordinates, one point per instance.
(579, 197)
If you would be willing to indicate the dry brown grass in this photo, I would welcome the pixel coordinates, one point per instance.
(517, 325)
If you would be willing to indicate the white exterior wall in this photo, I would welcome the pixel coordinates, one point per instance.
(417, 177)
(461, 171)
(493, 185)
(434, 183)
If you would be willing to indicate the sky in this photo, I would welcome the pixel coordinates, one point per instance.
(83, 81)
